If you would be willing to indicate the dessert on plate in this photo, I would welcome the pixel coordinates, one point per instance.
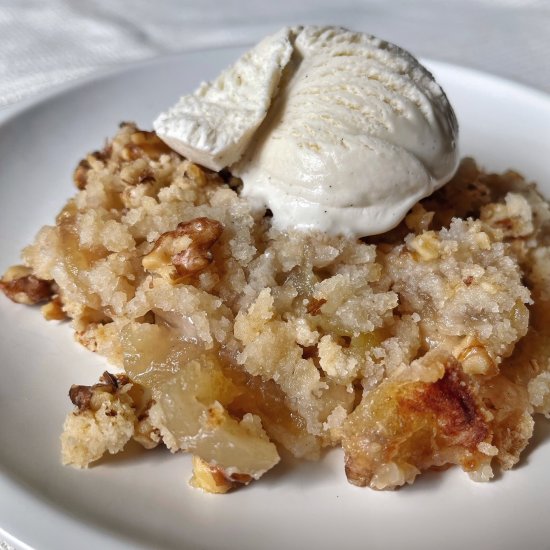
(294, 260)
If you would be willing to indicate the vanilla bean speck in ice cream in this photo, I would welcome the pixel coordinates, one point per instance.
(330, 129)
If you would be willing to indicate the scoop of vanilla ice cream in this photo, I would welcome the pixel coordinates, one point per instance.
(356, 131)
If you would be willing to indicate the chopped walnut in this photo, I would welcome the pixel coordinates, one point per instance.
(21, 286)
(143, 142)
(80, 174)
(185, 251)
(204, 232)
(110, 383)
(213, 479)
(81, 396)
(87, 165)
(53, 311)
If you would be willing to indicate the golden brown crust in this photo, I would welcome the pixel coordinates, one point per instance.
(451, 401)
(402, 428)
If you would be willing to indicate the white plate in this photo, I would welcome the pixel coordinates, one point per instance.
(141, 499)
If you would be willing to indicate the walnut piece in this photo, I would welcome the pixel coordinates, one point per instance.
(22, 287)
(185, 251)
(89, 165)
(213, 479)
(53, 311)
(80, 174)
(110, 383)
(143, 142)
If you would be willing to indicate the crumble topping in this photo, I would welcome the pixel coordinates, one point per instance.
(425, 346)
(107, 415)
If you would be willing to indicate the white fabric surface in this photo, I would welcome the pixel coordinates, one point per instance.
(47, 42)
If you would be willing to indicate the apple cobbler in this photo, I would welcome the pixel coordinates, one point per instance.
(419, 348)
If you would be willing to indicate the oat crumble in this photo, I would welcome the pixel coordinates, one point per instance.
(426, 346)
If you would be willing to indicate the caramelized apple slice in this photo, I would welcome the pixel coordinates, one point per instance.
(403, 427)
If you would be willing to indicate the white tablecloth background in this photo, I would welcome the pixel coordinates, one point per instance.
(47, 42)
